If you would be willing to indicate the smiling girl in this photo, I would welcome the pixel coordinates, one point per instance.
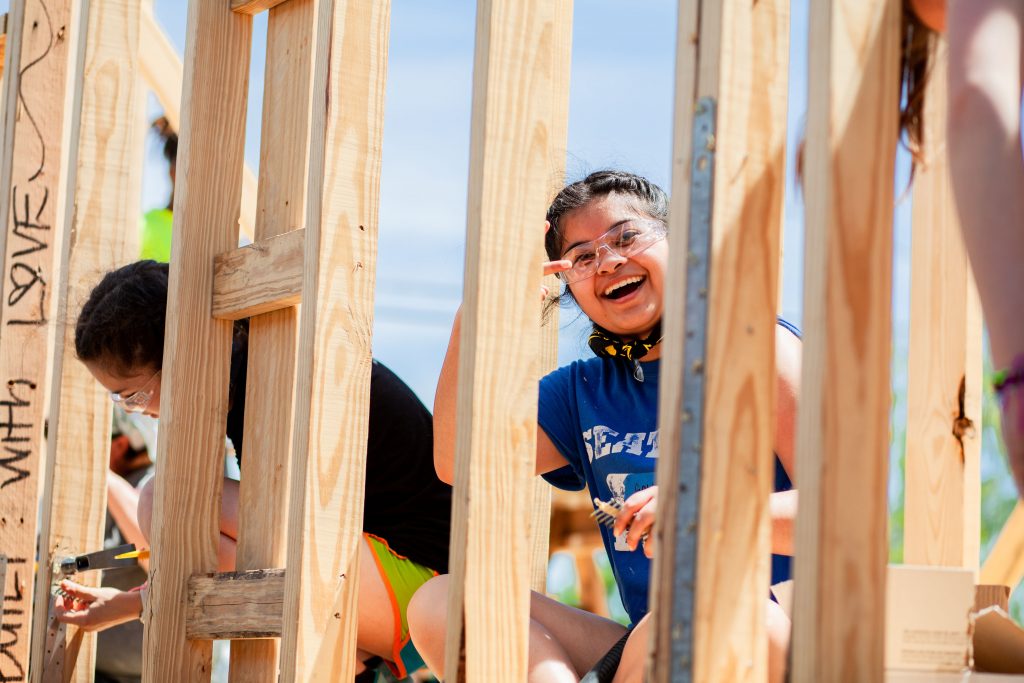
(598, 426)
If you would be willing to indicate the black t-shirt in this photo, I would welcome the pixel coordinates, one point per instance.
(405, 503)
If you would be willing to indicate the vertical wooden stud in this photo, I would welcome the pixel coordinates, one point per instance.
(35, 99)
(335, 329)
(943, 459)
(733, 163)
(193, 406)
(163, 73)
(102, 200)
(517, 52)
(843, 432)
(270, 381)
(540, 522)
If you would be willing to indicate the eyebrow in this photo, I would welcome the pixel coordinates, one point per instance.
(611, 227)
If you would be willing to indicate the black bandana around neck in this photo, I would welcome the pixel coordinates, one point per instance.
(609, 345)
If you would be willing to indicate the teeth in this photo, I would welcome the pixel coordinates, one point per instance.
(623, 283)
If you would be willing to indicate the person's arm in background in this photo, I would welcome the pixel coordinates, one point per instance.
(548, 457)
(783, 505)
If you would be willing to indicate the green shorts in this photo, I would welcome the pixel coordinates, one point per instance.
(402, 577)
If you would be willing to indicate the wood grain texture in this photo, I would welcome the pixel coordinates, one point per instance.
(272, 337)
(104, 183)
(260, 277)
(517, 54)
(162, 71)
(843, 431)
(236, 605)
(336, 324)
(254, 6)
(194, 401)
(1005, 562)
(540, 519)
(942, 515)
(36, 102)
(742, 60)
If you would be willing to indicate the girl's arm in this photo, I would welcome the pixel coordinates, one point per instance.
(787, 391)
(548, 457)
(123, 504)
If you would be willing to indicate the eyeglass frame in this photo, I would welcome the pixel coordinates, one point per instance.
(657, 226)
(137, 401)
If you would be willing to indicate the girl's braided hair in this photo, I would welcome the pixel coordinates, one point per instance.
(122, 321)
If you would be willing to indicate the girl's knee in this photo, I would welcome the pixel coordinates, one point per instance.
(430, 603)
(145, 511)
(779, 627)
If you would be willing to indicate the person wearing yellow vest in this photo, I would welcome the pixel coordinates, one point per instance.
(155, 226)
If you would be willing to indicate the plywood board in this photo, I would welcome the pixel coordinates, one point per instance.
(335, 329)
(102, 194)
(194, 398)
(843, 430)
(42, 34)
(942, 514)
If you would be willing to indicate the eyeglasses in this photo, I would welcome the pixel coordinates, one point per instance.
(137, 401)
(625, 240)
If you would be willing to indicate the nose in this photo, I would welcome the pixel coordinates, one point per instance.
(608, 260)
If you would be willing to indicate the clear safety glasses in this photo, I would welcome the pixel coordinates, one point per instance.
(624, 240)
(137, 401)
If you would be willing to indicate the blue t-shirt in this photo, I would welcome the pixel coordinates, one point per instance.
(604, 422)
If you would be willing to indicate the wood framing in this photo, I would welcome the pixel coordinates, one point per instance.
(194, 399)
(942, 513)
(336, 325)
(261, 277)
(518, 49)
(104, 183)
(236, 605)
(270, 383)
(843, 432)
(540, 521)
(1005, 562)
(162, 71)
(739, 44)
(254, 6)
(41, 36)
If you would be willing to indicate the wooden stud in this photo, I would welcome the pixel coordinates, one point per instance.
(236, 605)
(517, 53)
(253, 7)
(272, 337)
(162, 71)
(102, 193)
(740, 45)
(843, 432)
(1005, 562)
(261, 277)
(540, 519)
(333, 378)
(31, 173)
(194, 401)
(943, 459)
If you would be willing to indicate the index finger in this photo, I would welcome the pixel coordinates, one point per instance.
(552, 267)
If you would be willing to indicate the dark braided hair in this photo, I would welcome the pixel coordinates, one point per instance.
(644, 196)
(122, 322)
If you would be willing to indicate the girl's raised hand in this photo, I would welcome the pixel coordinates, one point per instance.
(552, 267)
(637, 519)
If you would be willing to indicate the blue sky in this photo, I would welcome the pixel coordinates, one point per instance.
(620, 116)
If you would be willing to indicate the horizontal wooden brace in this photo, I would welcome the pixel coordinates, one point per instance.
(235, 605)
(253, 6)
(261, 277)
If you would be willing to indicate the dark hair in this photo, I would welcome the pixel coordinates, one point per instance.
(648, 197)
(122, 321)
(917, 52)
(645, 196)
(163, 128)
